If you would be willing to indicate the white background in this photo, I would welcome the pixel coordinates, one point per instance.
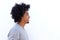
(44, 19)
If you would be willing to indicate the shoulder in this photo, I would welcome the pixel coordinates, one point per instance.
(14, 31)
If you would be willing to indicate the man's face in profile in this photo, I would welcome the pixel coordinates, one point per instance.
(26, 17)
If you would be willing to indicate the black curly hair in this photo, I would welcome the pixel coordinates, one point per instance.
(18, 11)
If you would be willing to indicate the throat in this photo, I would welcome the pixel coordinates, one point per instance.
(22, 24)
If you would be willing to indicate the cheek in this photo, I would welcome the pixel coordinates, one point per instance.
(25, 18)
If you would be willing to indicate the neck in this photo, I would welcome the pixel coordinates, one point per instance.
(22, 24)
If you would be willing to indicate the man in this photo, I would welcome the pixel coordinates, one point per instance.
(21, 17)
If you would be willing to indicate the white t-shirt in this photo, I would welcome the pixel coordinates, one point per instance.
(17, 33)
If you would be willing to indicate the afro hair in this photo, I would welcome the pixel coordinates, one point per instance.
(18, 11)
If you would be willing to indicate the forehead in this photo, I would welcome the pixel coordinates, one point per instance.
(26, 12)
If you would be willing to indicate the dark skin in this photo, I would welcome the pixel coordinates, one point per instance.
(24, 20)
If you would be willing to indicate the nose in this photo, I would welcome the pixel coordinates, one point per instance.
(29, 16)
